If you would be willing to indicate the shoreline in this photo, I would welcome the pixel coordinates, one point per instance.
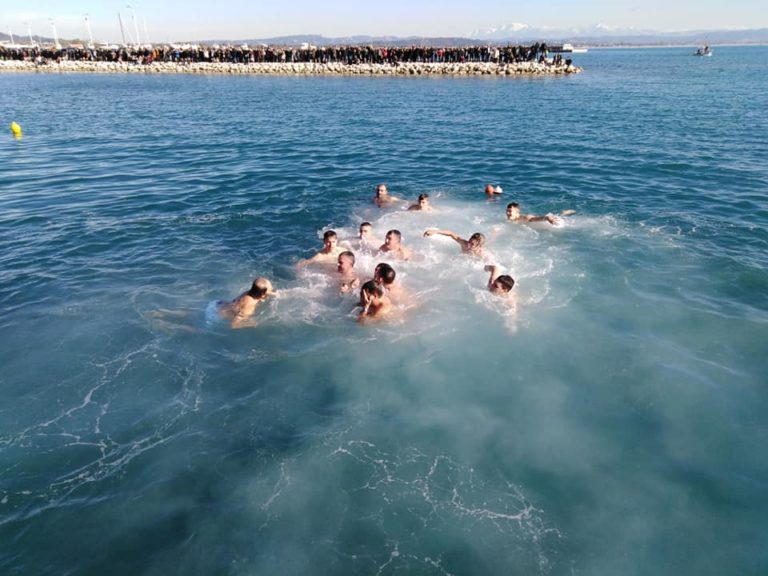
(293, 69)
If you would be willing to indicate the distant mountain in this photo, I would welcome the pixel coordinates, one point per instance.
(602, 35)
(318, 40)
(24, 39)
(598, 35)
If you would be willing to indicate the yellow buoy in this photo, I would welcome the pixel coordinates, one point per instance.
(16, 129)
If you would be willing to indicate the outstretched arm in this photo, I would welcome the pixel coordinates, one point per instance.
(307, 261)
(452, 235)
(532, 218)
(551, 218)
(494, 270)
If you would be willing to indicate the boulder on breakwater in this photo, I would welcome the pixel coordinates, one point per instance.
(294, 68)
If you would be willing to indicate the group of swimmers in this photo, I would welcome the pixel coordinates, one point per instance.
(378, 293)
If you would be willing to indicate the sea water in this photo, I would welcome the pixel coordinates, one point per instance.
(614, 422)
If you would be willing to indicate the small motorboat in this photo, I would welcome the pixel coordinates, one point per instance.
(703, 51)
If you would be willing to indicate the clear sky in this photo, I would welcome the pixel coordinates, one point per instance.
(168, 20)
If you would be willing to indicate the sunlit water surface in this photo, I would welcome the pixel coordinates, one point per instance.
(614, 422)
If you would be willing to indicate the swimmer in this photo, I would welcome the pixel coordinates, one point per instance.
(365, 239)
(393, 246)
(375, 303)
(499, 284)
(349, 279)
(383, 198)
(329, 253)
(473, 247)
(491, 190)
(384, 275)
(240, 311)
(422, 205)
(514, 215)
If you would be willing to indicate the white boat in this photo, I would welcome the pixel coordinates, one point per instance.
(568, 47)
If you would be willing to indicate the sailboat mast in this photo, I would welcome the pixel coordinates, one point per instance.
(88, 28)
(146, 34)
(55, 35)
(135, 25)
(122, 30)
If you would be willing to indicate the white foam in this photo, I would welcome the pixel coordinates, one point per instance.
(442, 283)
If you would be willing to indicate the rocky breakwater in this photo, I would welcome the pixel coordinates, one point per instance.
(295, 68)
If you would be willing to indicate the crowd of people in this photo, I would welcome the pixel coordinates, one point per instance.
(351, 54)
(382, 294)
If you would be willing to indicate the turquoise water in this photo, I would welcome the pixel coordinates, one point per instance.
(616, 423)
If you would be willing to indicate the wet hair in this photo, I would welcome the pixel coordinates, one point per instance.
(386, 273)
(372, 288)
(259, 288)
(329, 234)
(479, 237)
(395, 233)
(365, 224)
(423, 197)
(513, 205)
(349, 255)
(378, 186)
(506, 281)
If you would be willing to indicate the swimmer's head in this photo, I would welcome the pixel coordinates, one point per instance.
(346, 261)
(381, 191)
(490, 189)
(513, 211)
(423, 200)
(371, 291)
(393, 238)
(260, 289)
(476, 241)
(366, 230)
(384, 274)
(502, 284)
(330, 239)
